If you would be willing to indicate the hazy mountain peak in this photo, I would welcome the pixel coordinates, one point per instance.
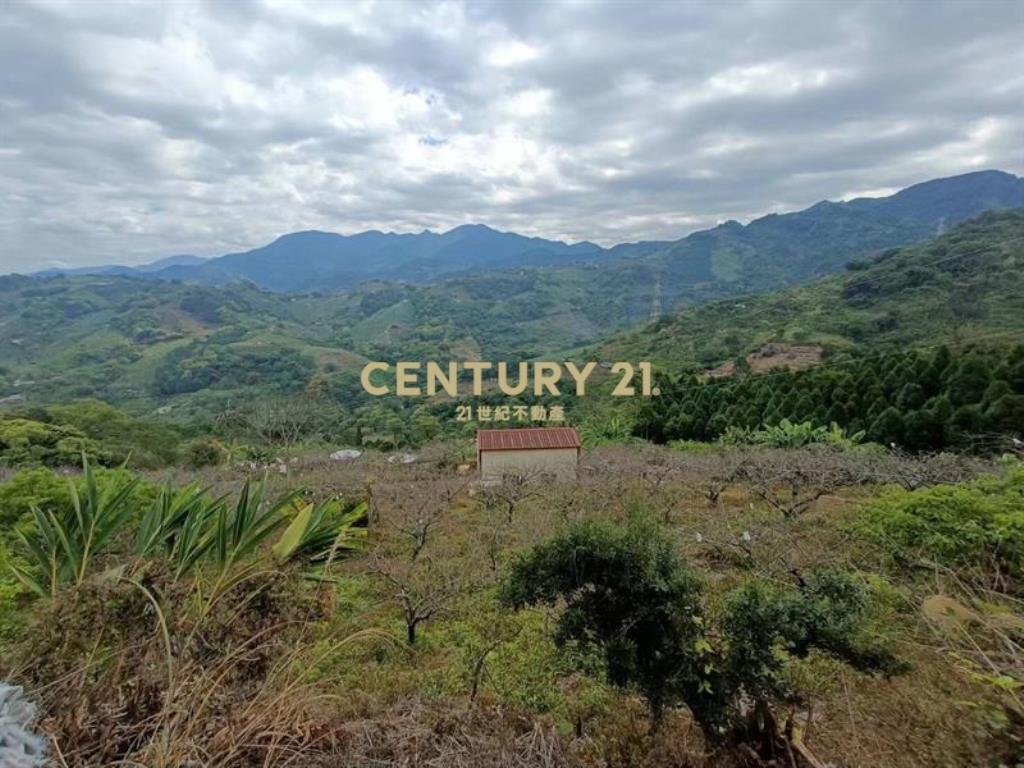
(784, 246)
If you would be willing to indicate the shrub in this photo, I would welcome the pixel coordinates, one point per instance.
(24, 442)
(37, 487)
(764, 624)
(628, 594)
(204, 453)
(50, 491)
(976, 524)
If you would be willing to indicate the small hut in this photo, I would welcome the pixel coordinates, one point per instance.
(541, 451)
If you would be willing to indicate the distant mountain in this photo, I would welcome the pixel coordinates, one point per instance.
(184, 260)
(194, 348)
(531, 312)
(117, 269)
(324, 261)
(952, 199)
(770, 252)
(783, 249)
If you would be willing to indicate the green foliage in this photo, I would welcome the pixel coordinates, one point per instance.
(139, 442)
(63, 545)
(240, 530)
(918, 400)
(66, 530)
(57, 435)
(202, 366)
(204, 453)
(50, 492)
(179, 526)
(978, 524)
(605, 429)
(30, 488)
(318, 532)
(786, 434)
(24, 442)
(627, 593)
(764, 625)
(909, 296)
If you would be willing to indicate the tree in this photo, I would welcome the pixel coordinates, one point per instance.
(414, 508)
(423, 589)
(970, 381)
(888, 427)
(790, 483)
(628, 594)
(512, 491)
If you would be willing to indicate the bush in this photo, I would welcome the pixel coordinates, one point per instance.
(976, 524)
(24, 442)
(49, 491)
(30, 488)
(764, 624)
(204, 453)
(627, 594)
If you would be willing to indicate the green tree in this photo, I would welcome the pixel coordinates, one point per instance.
(628, 594)
(888, 427)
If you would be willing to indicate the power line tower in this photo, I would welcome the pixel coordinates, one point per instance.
(656, 299)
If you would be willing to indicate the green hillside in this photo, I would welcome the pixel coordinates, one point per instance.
(140, 343)
(967, 285)
(147, 345)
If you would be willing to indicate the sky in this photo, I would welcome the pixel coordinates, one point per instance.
(129, 132)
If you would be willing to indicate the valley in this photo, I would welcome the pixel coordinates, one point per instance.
(253, 513)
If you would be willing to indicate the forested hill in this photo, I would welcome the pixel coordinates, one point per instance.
(148, 344)
(965, 285)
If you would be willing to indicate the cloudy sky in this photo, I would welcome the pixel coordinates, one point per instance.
(129, 132)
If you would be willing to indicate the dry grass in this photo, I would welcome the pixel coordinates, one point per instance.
(266, 683)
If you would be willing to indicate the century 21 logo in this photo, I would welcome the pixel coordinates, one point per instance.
(415, 379)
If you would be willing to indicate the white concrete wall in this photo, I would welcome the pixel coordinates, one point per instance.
(560, 462)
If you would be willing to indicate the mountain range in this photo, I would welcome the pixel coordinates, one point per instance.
(834, 276)
(770, 251)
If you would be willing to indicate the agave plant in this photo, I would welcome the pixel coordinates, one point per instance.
(63, 546)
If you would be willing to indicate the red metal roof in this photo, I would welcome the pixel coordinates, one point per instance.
(526, 439)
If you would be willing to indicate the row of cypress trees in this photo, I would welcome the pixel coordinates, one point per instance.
(924, 399)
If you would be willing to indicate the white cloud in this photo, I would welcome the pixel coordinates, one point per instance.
(134, 131)
(510, 53)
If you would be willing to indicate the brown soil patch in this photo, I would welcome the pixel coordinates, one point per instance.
(793, 357)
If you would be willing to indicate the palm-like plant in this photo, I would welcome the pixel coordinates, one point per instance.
(63, 546)
(240, 531)
(178, 524)
(318, 532)
(187, 528)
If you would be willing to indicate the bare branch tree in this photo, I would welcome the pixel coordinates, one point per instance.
(791, 481)
(414, 508)
(422, 589)
(512, 491)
